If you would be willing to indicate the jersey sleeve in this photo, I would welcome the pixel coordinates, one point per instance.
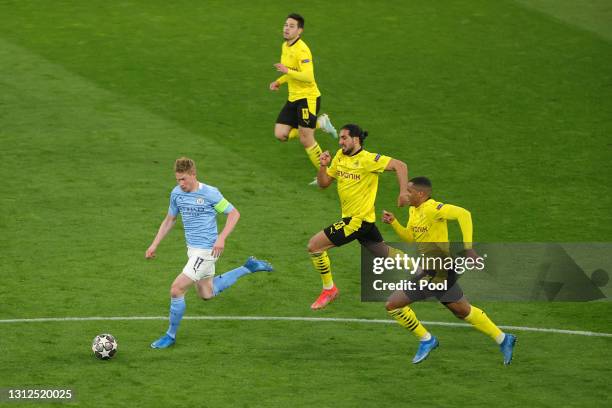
(220, 204)
(282, 79)
(463, 217)
(305, 71)
(377, 163)
(173, 207)
(405, 233)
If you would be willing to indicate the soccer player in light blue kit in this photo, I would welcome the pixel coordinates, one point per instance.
(198, 205)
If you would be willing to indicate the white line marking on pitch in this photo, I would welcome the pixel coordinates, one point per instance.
(298, 319)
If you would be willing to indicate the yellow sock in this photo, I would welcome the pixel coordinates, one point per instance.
(293, 133)
(406, 318)
(323, 266)
(481, 322)
(314, 152)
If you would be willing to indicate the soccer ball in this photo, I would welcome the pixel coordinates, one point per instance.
(104, 346)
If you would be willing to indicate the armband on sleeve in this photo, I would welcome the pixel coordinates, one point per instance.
(223, 206)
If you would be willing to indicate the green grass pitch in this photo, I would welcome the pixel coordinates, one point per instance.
(505, 106)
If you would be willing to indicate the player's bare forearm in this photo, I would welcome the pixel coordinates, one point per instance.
(164, 228)
(401, 170)
(324, 179)
(230, 223)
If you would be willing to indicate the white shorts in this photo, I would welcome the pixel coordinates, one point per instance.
(201, 264)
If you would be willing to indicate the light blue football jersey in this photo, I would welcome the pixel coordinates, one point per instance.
(199, 213)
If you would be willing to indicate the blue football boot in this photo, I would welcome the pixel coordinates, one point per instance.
(255, 265)
(507, 347)
(164, 341)
(425, 347)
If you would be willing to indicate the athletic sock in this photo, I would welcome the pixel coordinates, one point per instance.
(222, 282)
(293, 134)
(314, 152)
(481, 322)
(406, 318)
(177, 310)
(322, 264)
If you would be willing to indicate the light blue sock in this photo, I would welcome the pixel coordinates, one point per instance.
(220, 283)
(177, 310)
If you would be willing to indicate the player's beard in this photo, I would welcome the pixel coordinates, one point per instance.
(348, 151)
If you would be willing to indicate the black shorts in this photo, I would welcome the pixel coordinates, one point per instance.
(300, 113)
(452, 292)
(347, 230)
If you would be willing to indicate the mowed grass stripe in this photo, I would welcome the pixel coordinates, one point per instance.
(591, 15)
(100, 173)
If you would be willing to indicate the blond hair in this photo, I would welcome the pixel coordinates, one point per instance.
(184, 165)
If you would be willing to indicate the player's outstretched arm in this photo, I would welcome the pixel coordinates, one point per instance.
(464, 217)
(232, 219)
(164, 228)
(324, 179)
(401, 170)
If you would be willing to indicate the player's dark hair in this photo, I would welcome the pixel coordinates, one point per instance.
(297, 18)
(421, 182)
(356, 131)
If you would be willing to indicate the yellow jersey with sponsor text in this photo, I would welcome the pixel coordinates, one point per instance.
(427, 224)
(357, 178)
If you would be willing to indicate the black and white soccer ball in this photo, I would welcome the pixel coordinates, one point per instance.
(104, 346)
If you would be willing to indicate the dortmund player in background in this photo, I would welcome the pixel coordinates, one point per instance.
(298, 118)
(356, 171)
(427, 226)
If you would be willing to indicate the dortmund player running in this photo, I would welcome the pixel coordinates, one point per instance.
(198, 204)
(356, 172)
(298, 118)
(427, 226)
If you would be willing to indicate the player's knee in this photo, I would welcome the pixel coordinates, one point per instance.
(460, 314)
(307, 138)
(393, 304)
(312, 247)
(207, 297)
(176, 291)
(397, 300)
